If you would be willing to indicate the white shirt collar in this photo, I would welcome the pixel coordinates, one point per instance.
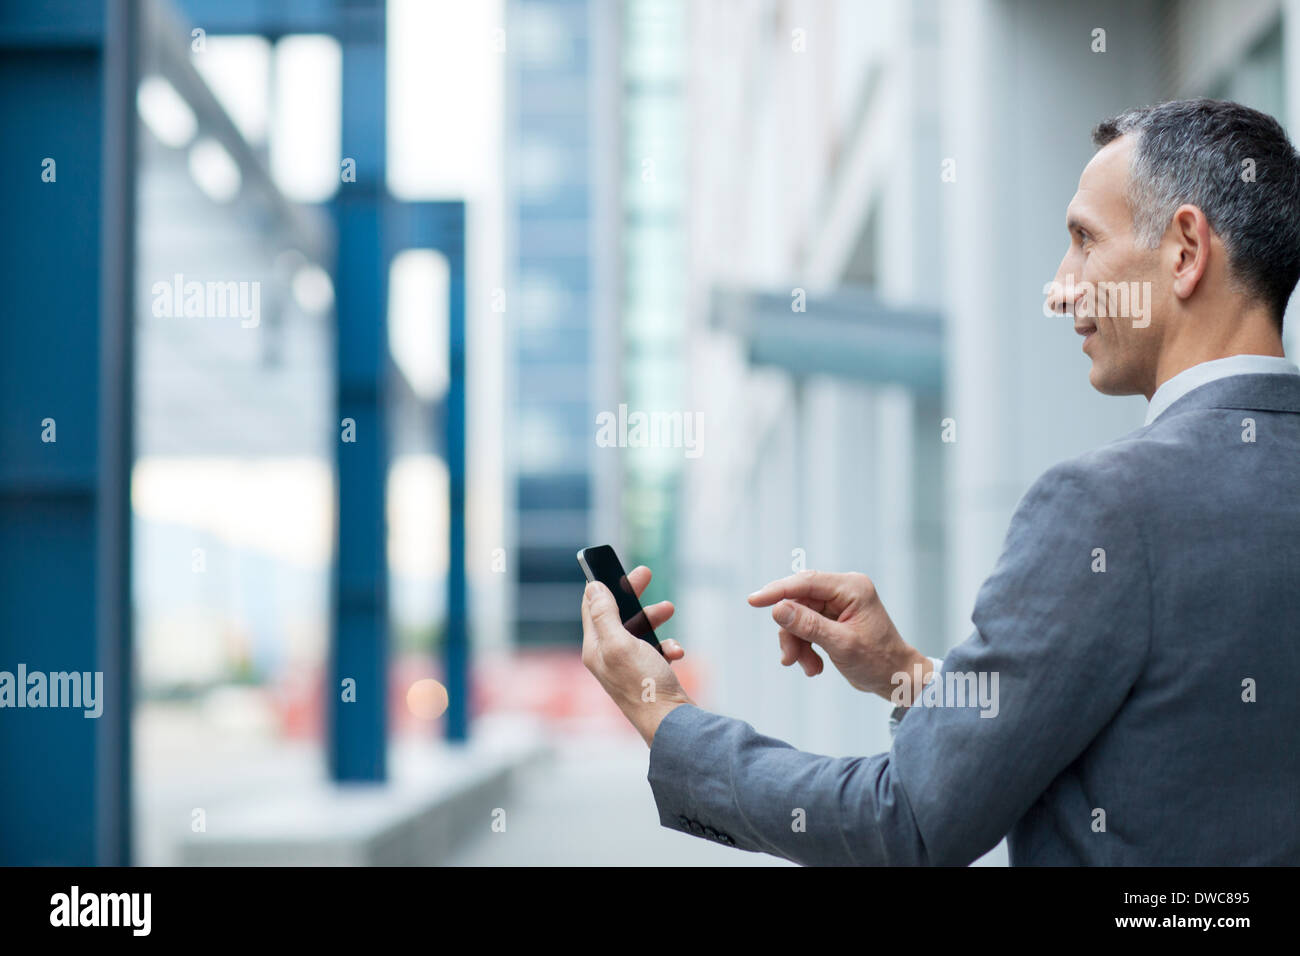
(1198, 375)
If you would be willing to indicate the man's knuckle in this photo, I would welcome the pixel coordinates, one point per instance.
(811, 623)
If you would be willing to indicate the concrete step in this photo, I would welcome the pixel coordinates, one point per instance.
(437, 797)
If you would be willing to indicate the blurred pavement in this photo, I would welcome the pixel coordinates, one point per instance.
(592, 806)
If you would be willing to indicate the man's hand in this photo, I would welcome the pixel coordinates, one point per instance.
(632, 672)
(841, 614)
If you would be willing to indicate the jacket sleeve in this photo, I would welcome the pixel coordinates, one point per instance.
(1061, 633)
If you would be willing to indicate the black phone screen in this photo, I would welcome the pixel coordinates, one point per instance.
(603, 565)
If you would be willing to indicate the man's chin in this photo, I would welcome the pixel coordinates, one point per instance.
(1110, 384)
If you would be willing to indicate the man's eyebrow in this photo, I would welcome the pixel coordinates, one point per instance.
(1075, 221)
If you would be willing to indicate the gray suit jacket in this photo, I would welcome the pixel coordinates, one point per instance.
(1147, 713)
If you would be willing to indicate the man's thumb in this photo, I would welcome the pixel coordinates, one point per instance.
(604, 612)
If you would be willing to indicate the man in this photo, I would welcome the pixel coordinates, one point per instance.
(1140, 627)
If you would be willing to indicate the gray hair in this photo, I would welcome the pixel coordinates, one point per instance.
(1198, 152)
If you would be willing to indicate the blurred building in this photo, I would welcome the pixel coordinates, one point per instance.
(560, 62)
(654, 215)
(597, 192)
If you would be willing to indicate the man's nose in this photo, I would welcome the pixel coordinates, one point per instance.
(1061, 297)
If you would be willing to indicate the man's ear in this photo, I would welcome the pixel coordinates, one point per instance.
(1190, 233)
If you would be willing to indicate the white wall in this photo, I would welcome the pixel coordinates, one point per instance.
(824, 466)
(1021, 92)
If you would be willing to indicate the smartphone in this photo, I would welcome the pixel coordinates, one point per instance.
(601, 564)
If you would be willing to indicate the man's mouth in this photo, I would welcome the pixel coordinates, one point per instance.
(1087, 332)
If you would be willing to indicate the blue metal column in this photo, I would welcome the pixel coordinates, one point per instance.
(358, 727)
(373, 227)
(456, 651)
(67, 95)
